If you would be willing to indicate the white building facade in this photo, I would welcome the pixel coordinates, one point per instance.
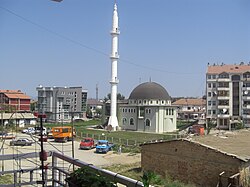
(228, 95)
(148, 109)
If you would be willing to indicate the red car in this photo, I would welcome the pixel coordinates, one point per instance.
(87, 143)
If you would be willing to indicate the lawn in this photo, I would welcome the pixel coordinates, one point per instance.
(122, 137)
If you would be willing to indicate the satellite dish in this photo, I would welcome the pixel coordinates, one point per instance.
(224, 110)
(246, 92)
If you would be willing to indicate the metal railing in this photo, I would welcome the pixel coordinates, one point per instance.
(56, 173)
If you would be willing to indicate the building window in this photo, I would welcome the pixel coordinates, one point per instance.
(167, 111)
(209, 103)
(148, 123)
(145, 101)
(224, 75)
(139, 101)
(141, 112)
(214, 76)
(209, 94)
(151, 102)
(209, 85)
(131, 121)
(214, 85)
(124, 121)
(162, 102)
(208, 76)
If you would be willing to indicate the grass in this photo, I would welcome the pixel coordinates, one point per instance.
(6, 179)
(138, 137)
(134, 171)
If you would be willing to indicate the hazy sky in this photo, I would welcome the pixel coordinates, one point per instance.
(167, 41)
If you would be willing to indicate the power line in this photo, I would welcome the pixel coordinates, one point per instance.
(94, 49)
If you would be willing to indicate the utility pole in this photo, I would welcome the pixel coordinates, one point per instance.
(72, 132)
(43, 154)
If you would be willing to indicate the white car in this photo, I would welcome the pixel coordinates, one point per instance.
(21, 142)
(29, 130)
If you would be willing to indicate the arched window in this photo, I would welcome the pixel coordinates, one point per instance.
(131, 121)
(124, 121)
(148, 123)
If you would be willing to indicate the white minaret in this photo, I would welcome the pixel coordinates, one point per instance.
(114, 80)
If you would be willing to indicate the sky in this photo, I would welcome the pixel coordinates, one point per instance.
(170, 42)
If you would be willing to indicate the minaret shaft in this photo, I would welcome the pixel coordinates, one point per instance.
(113, 122)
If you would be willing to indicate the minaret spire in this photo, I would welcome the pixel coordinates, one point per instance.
(113, 122)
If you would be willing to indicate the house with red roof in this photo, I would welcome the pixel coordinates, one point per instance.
(14, 100)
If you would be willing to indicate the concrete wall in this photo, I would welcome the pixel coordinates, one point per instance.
(188, 162)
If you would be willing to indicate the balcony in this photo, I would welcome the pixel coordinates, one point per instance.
(56, 174)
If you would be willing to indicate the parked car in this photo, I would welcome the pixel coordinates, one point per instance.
(44, 139)
(29, 130)
(103, 146)
(21, 142)
(38, 130)
(87, 143)
(8, 136)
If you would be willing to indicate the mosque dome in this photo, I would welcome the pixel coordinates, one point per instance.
(150, 90)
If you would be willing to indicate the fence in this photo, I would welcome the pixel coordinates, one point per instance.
(127, 142)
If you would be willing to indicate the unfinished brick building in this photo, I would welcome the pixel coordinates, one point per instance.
(193, 162)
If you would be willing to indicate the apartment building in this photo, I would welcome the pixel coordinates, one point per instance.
(14, 100)
(190, 108)
(61, 103)
(228, 95)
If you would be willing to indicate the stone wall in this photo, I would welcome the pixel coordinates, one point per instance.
(189, 162)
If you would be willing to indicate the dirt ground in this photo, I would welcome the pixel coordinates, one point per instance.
(232, 142)
(123, 158)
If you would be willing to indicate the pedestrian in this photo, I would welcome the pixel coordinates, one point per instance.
(120, 150)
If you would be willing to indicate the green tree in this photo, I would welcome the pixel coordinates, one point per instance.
(119, 97)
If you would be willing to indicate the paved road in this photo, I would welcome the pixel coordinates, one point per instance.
(88, 156)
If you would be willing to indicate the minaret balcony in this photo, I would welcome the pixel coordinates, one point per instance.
(114, 56)
(115, 32)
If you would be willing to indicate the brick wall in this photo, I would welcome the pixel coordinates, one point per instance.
(188, 162)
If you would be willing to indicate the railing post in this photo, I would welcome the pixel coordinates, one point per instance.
(54, 173)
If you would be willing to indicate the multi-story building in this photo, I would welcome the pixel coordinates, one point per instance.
(190, 108)
(61, 103)
(228, 95)
(14, 100)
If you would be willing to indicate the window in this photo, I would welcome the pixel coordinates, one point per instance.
(148, 123)
(139, 101)
(124, 121)
(209, 85)
(141, 112)
(208, 76)
(151, 102)
(209, 94)
(131, 121)
(162, 102)
(167, 111)
(214, 103)
(209, 103)
(224, 75)
(214, 76)
(145, 101)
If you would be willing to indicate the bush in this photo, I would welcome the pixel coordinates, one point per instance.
(85, 177)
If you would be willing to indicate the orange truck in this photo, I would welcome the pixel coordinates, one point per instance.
(63, 134)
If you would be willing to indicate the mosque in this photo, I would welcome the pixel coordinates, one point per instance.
(148, 109)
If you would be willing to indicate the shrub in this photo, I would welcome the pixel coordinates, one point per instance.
(85, 177)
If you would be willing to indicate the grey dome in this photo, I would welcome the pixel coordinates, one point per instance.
(150, 90)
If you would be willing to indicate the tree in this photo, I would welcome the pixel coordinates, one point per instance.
(119, 97)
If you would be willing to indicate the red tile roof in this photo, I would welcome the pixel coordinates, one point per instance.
(217, 69)
(17, 96)
(194, 102)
